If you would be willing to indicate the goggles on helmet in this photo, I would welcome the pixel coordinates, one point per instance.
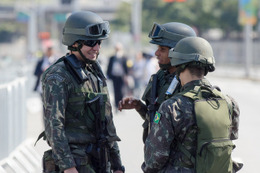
(159, 32)
(94, 30)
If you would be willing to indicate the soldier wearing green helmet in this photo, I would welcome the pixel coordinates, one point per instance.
(193, 131)
(77, 112)
(193, 51)
(162, 85)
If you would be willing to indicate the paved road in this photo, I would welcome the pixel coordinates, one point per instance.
(128, 124)
(247, 94)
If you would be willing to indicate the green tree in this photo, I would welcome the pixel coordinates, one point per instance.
(202, 14)
(123, 18)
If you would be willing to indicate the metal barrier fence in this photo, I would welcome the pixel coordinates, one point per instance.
(13, 117)
(233, 52)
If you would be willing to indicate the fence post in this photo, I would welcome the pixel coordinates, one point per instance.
(3, 123)
(12, 115)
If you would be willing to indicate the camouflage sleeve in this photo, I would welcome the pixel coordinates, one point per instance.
(115, 158)
(55, 97)
(235, 119)
(145, 97)
(143, 110)
(158, 143)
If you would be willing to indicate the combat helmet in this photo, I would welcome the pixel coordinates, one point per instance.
(169, 34)
(84, 25)
(193, 50)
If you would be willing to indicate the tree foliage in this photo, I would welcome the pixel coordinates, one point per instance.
(202, 14)
(123, 18)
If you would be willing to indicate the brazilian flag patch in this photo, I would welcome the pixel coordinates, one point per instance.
(157, 118)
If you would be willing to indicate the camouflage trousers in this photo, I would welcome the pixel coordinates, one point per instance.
(84, 164)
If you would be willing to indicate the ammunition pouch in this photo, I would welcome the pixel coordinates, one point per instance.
(48, 163)
(49, 166)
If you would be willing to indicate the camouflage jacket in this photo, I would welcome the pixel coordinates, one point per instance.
(163, 82)
(67, 119)
(164, 79)
(161, 153)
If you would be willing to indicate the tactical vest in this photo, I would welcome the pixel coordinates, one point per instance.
(213, 121)
(80, 120)
(162, 86)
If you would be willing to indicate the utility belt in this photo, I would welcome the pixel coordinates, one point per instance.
(83, 157)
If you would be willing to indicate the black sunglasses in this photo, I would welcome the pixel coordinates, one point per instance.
(91, 43)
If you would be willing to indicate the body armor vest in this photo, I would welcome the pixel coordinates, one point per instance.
(79, 119)
(164, 81)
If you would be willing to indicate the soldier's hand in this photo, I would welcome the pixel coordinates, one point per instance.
(118, 171)
(71, 170)
(129, 103)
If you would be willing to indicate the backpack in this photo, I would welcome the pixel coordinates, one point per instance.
(213, 120)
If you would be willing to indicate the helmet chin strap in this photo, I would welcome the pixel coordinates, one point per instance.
(78, 49)
(87, 61)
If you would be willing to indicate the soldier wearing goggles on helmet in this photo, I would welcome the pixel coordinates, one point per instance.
(77, 112)
(162, 85)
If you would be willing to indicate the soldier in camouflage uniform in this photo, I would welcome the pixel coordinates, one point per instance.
(165, 36)
(74, 95)
(175, 121)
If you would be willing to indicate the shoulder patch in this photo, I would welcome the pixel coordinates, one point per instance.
(157, 117)
(55, 77)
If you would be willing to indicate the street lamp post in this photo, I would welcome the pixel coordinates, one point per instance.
(32, 31)
(137, 23)
(248, 48)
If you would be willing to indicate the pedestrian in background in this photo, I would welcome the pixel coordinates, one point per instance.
(46, 60)
(138, 73)
(151, 67)
(78, 118)
(193, 130)
(117, 71)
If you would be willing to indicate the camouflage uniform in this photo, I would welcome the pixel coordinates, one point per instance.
(163, 82)
(166, 35)
(69, 124)
(177, 123)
